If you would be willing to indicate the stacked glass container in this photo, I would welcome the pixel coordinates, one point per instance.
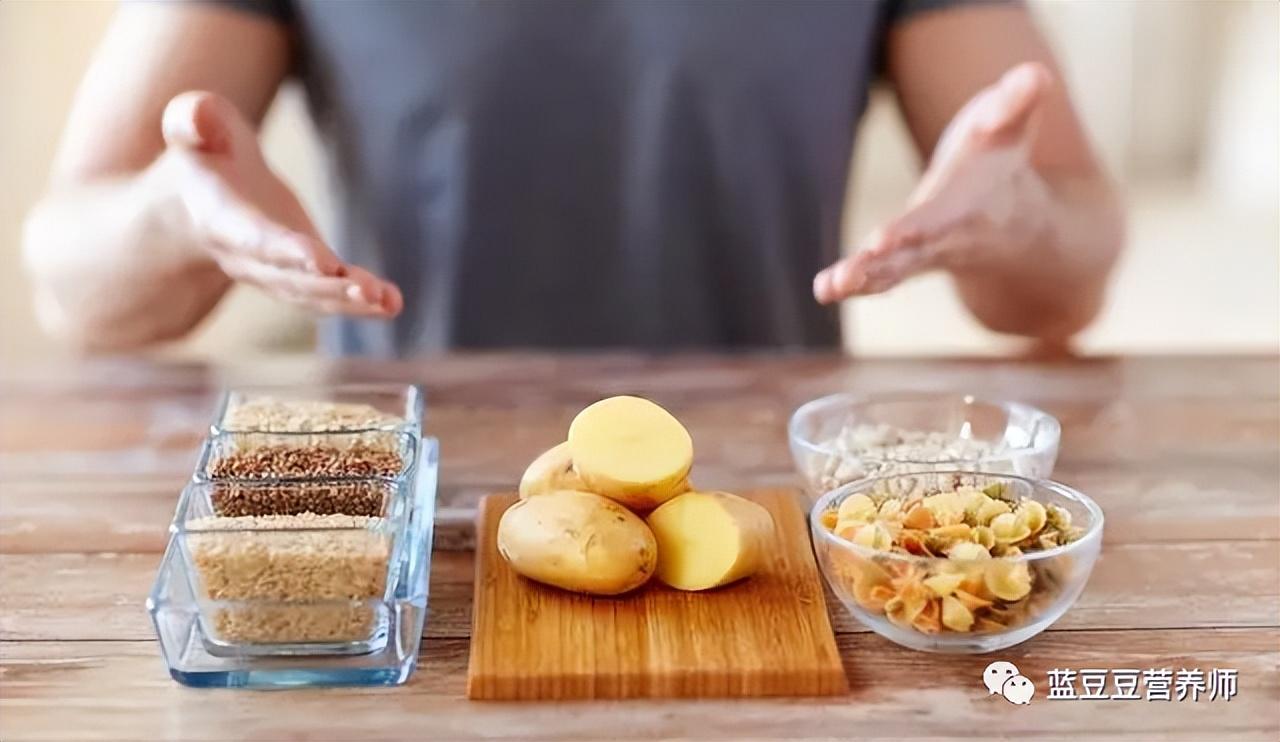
(300, 550)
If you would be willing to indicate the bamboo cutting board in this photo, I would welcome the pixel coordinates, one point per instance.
(768, 635)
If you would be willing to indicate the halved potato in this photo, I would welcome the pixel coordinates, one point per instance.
(631, 450)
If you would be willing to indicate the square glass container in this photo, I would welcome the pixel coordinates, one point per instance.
(267, 588)
(401, 401)
(204, 650)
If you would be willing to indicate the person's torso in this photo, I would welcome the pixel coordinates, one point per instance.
(577, 174)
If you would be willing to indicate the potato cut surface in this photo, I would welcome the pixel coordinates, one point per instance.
(631, 450)
(708, 539)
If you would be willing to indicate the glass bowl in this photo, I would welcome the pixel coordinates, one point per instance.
(842, 438)
(967, 604)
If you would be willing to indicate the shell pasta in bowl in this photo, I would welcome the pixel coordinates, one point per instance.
(956, 562)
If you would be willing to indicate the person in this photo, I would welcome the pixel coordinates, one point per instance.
(566, 173)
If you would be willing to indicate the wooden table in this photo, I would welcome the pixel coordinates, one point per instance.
(1182, 453)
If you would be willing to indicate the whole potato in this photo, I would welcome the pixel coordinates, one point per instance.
(578, 541)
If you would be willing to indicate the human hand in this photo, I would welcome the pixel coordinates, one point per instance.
(979, 206)
(250, 223)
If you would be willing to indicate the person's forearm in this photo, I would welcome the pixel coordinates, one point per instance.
(116, 264)
(1049, 277)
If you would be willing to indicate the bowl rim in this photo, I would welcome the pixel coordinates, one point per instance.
(1052, 437)
(1092, 533)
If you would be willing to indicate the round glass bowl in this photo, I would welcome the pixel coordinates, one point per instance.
(842, 438)
(972, 603)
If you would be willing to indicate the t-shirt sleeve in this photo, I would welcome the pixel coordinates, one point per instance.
(279, 10)
(903, 9)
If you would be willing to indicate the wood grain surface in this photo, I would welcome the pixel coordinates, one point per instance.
(764, 636)
(1182, 453)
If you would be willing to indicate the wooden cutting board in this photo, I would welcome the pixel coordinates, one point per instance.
(768, 635)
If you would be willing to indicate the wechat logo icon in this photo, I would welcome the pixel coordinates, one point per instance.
(1004, 680)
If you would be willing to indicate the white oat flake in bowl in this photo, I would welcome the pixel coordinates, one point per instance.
(860, 451)
(843, 438)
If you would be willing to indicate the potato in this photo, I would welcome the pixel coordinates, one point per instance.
(631, 450)
(708, 539)
(577, 541)
(551, 471)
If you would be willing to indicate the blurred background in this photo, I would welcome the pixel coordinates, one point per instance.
(1181, 100)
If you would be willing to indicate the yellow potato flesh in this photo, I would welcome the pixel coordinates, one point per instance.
(709, 539)
(631, 450)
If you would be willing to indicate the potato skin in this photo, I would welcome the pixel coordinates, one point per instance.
(578, 541)
(551, 471)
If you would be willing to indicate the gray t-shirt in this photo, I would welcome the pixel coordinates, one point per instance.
(648, 174)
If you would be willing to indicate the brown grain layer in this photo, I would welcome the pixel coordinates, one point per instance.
(356, 498)
(284, 461)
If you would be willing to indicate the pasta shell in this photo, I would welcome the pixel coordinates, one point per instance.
(957, 532)
(919, 518)
(990, 509)
(829, 520)
(857, 508)
(985, 624)
(901, 570)
(975, 584)
(869, 572)
(895, 611)
(996, 490)
(971, 601)
(1032, 514)
(955, 615)
(1058, 517)
(1008, 580)
(943, 585)
(915, 598)
(967, 550)
(871, 596)
(1007, 529)
(913, 542)
(947, 508)
(891, 508)
(879, 595)
(983, 536)
(1003, 616)
(847, 529)
(873, 536)
(927, 621)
